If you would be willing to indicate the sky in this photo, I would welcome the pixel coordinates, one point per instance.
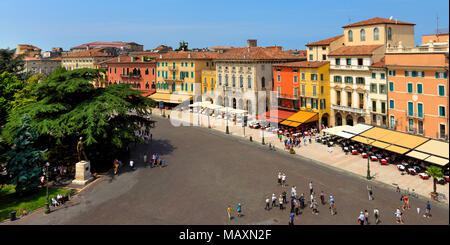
(287, 23)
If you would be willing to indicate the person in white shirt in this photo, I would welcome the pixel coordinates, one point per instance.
(274, 200)
(310, 188)
(361, 218)
(398, 216)
(279, 178)
(376, 213)
(283, 179)
(131, 164)
(294, 191)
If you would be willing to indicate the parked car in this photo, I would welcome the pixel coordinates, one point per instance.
(424, 176)
(254, 125)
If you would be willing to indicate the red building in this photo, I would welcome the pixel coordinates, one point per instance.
(137, 70)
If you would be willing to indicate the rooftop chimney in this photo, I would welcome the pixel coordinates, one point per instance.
(252, 43)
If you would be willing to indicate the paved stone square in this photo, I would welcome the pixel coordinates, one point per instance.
(208, 170)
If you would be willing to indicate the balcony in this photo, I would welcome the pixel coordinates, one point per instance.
(350, 67)
(131, 75)
(286, 96)
(415, 115)
(348, 109)
(173, 68)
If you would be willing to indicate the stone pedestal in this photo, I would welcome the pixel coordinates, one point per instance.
(82, 173)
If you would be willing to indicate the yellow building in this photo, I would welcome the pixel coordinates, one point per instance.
(208, 82)
(304, 86)
(180, 74)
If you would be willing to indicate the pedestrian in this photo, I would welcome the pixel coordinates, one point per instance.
(406, 199)
(153, 161)
(376, 214)
(332, 206)
(280, 136)
(304, 140)
(403, 202)
(361, 218)
(270, 146)
(116, 166)
(274, 200)
(297, 207)
(291, 218)
(398, 189)
(283, 179)
(314, 207)
(229, 212)
(398, 216)
(428, 210)
(370, 190)
(239, 210)
(132, 164)
(267, 204)
(366, 216)
(294, 191)
(330, 150)
(322, 198)
(302, 201)
(280, 199)
(284, 196)
(310, 187)
(310, 140)
(279, 178)
(145, 158)
(312, 199)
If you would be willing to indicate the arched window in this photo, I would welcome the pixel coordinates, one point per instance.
(363, 35)
(389, 34)
(376, 34)
(263, 82)
(233, 79)
(182, 86)
(350, 36)
(241, 81)
(220, 79)
(226, 79)
(146, 71)
(147, 86)
(249, 81)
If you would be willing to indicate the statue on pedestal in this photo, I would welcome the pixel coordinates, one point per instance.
(80, 150)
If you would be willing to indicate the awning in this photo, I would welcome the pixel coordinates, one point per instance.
(170, 98)
(435, 147)
(275, 115)
(397, 149)
(379, 144)
(394, 138)
(375, 133)
(417, 155)
(358, 128)
(437, 160)
(214, 107)
(362, 139)
(345, 135)
(301, 117)
(335, 130)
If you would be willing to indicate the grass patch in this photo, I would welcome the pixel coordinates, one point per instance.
(11, 201)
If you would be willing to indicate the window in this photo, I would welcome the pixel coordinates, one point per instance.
(338, 97)
(158, 73)
(192, 86)
(192, 64)
(414, 73)
(314, 90)
(192, 74)
(419, 88)
(406, 73)
(278, 78)
(360, 80)
(295, 70)
(212, 89)
(321, 90)
(410, 88)
(262, 67)
(360, 62)
(303, 90)
(241, 81)
(441, 75)
(182, 64)
(205, 90)
(442, 111)
(311, 57)
(373, 88)
(411, 124)
(323, 104)
(389, 34)
(392, 122)
(383, 107)
(383, 75)
(303, 102)
(376, 34)
(303, 76)
(220, 79)
(410, 109)
(349, 62)
(233, 81)
(420, 126)
(420, 110)
(212, 81)
(310, 48)
(279, 91)
(338, 61)
(295, 92)
(313, 77)
(349, 99)
(374, 106)
(337, 79)
(226, 80)
(205, 82)
(363, 35)
(324, 48)
(295, 79)
(249, 81)
(212, 63)
(314, 104)
(321, 77)
(382, 89)
(263, 82)
(391, 86)
(361, 101)
(374, 75)
(350, 36)
(324, 57)
(278, 70)
(441, 89)
(348, 79)
(207, 63)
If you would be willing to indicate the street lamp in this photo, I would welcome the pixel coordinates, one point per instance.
(227, 131)
(47, 206)
(368, 165)
(198, 114)
(207, 111)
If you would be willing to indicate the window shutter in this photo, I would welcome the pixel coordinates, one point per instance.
(437, 74)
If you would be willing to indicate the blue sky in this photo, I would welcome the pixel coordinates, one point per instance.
(287, 23)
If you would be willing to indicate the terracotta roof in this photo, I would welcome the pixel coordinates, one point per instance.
(377, 20)
(104, 44)
(127, 59)
(355, 50)
(187, 55)
(324, 42)
(304, 64)
(379, 64)
(98, 52)
(257, 53)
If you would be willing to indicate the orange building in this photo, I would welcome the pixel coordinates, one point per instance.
(418, 90)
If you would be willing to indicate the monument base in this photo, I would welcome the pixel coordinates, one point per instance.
(82, 173)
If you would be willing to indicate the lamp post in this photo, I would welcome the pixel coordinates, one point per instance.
(227, 131)
(262, 135)
(368, 165)
(207, 111)
(47, 206)
(243, 123)
(198, 114)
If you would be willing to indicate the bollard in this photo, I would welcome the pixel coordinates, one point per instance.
(13, 215)
(251, 139)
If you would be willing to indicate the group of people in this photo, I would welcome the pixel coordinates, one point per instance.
(238, 211)
(59, 200)
(156, 161)
(296, 139)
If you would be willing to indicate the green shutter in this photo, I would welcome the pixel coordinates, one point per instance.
(406, 73)
(192, 87)
(437, 74)
(393, 73)
(445, 75)
(420, 110)
(391, 86)
(410, 109)
(419, 88)
(192, 73)
(391, 104)
(441, 90)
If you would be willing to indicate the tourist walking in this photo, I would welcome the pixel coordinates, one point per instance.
(322, 198)
(283, 180)
(366, 216)
(280, 200)
(310, 187)
(312, 199)
(332, 206)
(145, 158)
(294, 191)
(361, 218)
(302, 201)
(291, 219)
(406, 199)
(239, 210)
(279, 178)
(267, 204)
(428, 210)
(131, 164)
(370, 190)
(153, 160)
(314, 207)
(398, 216)
(284, 196)
(297, 207)
(376, 214)
(229, 212)
(274, 200)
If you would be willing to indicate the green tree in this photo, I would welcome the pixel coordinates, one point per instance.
(25, 165)
(9, 85)
(11, 63)
(434, 172)
(26, 96)
(68, 106)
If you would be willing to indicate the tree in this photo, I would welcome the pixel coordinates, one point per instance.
(69, 106)
(434, 172)
(12, 64)
(9, 85)
(25, 96)
(25, 165)
(183, 46)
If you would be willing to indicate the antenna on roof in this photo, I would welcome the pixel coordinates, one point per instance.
(437, 24)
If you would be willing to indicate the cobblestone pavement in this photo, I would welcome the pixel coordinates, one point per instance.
(207, 171)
